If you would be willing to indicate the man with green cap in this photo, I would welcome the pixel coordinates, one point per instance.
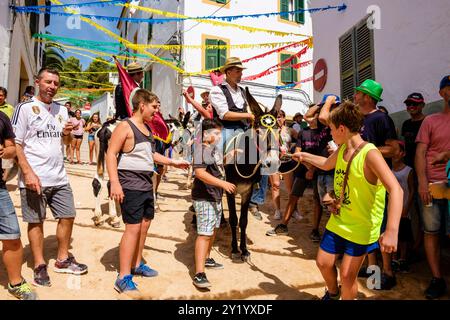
(378, 129)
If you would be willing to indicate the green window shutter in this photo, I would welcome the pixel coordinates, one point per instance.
(300, 17)
(148, 80)
(364, 54)
(222, 54)
(347, 64)
(286, 71)
(211, 55)
(284, 6)
(294, 71)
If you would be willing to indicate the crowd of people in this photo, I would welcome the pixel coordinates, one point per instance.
(368, 180)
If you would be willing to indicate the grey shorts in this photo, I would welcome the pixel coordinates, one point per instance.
(58, 198)
(434, 216)
(9, 226)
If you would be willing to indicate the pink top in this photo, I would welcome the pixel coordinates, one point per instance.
(78, 126)
(435, 133)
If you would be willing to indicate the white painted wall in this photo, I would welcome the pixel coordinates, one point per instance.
(104, 105)
(411, 48)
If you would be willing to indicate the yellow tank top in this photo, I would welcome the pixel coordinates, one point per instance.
(362, 209)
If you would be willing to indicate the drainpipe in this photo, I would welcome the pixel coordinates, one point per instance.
(7, 48)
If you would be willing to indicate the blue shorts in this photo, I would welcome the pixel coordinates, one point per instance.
(91, 137)
(334, 244)
(9, 226)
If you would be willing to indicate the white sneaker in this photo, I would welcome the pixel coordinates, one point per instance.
(277, 215)
(297, 216)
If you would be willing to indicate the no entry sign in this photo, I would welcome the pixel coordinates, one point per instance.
(320, 75)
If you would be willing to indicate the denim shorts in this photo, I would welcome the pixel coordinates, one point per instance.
(91, 137)
(325, 184)
(9, 226)
(334, 244)
(208, 216)
(433, 216)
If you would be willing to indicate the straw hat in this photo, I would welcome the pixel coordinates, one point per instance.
(134, 67)
(232, 62)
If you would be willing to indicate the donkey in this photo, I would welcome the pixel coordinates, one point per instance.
(252, 150)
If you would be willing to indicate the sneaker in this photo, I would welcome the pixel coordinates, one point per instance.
(200, 281)
(255, 212)
(126, 284)
(297, 216)
(22, 291)
(280, 230)
(328, 296)
(436, 289)
(210, 263)
(70, 265)
(315, 236)
(387, 282)
(144, 271)
(40, 276)
(277, 215)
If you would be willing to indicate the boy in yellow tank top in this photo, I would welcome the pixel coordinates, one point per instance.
(355, 230)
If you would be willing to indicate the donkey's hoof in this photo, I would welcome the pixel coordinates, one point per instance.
(115, 225)
(98, 221)
(245, 256)
(235, 256)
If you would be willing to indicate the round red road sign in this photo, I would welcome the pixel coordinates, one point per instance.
(320, 75)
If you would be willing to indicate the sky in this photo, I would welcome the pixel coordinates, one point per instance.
(60, 26)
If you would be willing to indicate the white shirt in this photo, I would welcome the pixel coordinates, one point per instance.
(219, 102)
(38, 129)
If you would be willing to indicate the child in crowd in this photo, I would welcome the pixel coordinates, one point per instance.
(130, 160)
(207, 197)
(405, 177)
(353, 229)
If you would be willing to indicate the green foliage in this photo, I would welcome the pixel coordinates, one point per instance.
(53, 56)
(72, 64)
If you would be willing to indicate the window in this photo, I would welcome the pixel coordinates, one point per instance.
(215, 58)
(149, 33)
(356, 58)
(293, 5)
(288, 74)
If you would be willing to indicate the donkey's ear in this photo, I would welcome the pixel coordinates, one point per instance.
(253, 104)
(186, 119)
(277, 105)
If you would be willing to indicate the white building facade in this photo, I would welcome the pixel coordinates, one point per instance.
(20, 55)
(168, 83)
(402, 44)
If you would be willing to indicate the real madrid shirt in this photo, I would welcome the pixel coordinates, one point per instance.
(38, 128)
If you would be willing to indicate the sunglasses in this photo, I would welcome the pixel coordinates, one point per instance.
(412, 104)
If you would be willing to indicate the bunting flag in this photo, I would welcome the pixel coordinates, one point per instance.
(270, 70)
(125, 42)
(216, 78)
(307, 42)
(48, 10)
(96, 44)
(87, 81)
(71, 5)
(213, 22)
(291, 85)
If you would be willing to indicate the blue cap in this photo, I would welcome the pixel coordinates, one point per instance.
(324, 99)
(445, 82)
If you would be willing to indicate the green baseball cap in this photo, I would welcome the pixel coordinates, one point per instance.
(371, 88)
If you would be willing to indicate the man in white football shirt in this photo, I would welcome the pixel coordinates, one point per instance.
(42, 129)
